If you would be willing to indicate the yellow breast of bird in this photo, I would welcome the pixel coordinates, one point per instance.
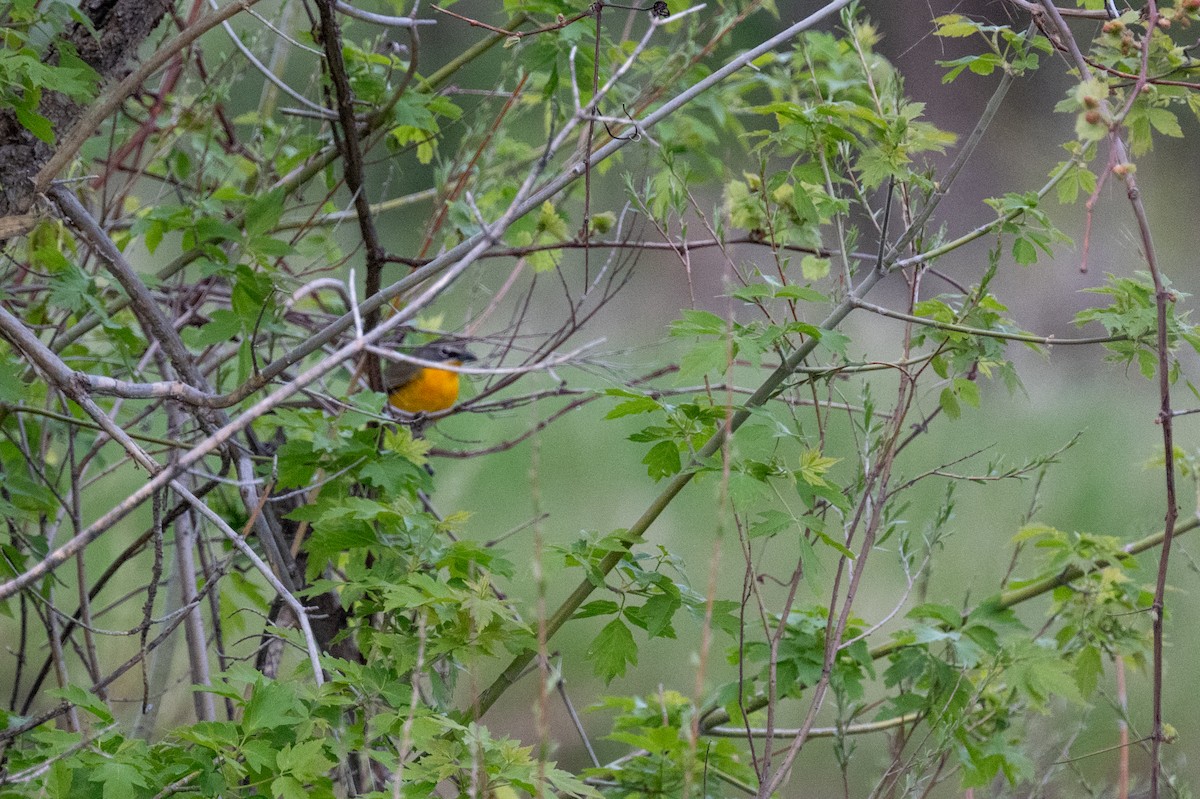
(431, 390)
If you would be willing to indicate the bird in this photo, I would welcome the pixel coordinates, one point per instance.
(414, 388)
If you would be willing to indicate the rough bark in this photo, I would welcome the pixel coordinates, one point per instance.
(122, 26)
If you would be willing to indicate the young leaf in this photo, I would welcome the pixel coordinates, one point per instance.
(612, 651)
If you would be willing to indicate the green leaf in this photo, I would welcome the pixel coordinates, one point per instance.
(86, 700)
(949, 403)
(12, 390)
(1077, 179)
(1089, 668)
(955, 26)
(633, 406)
(271, 705)
(223, 325)
(699, 323)
(1147, 363)
(658, 611)
(707, 357)
(1024, 252)
(612, 650)
(663, 460)
(1043, 678)
(1166, 123)
(813, 466)
(598, 607)
(393, 473)
(549, 221)
(801, 293)
(946, 614)
(980, 64)
(747, 491)
(834, 544)
(769, 522)
(305, 760)
(264, 213)
(753, 292)
(117, 779)
(288, 787)
(603, 222)
(967, 391)
(35, 123)
(259, 753)
(814, 268)
(402, 441)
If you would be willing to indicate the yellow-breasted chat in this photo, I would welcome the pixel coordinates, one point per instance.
(415, 388)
